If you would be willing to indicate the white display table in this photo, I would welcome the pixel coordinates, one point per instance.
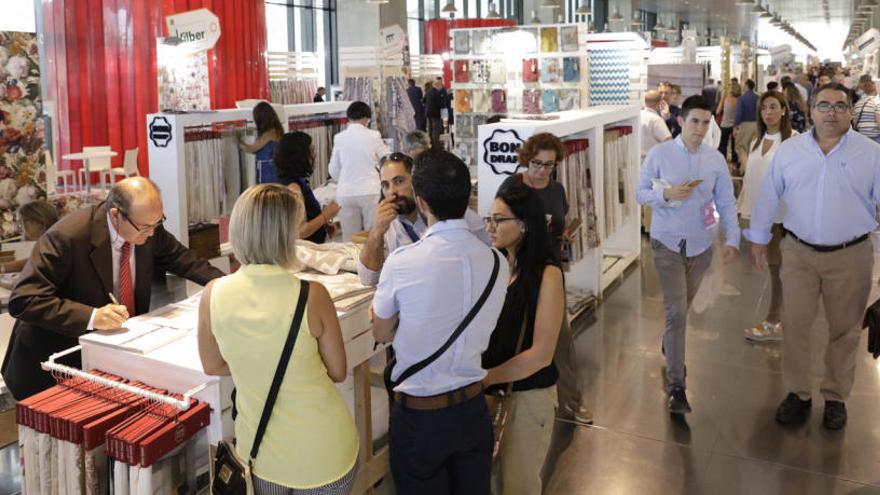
(177, 367)
(85, 156)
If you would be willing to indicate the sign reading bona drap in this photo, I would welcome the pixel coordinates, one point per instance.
(197, 30)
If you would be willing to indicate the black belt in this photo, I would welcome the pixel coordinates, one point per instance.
(827, 249)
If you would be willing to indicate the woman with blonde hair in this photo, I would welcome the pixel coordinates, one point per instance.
(727, 108)
(245, 319)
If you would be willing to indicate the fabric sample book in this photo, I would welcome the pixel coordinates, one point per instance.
(550, 70)
(531, 102)
(462, 71)
(549, 39)
(530, 70)
(481, 101)
(571, 69)
(499, 101)
(463, 102)
(497, 71)
(550, 100)
(568, 36)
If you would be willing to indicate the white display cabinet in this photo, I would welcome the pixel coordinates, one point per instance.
(497, 145)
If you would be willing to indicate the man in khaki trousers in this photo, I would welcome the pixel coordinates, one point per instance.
(829, 180)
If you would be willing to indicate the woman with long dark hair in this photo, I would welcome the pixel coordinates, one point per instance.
(294, 162)
(774, 126)
(797, 107)
(269, 131)
(534, 307)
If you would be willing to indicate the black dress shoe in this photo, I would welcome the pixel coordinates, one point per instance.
(678, 402)
(793, 410)
(835, 415)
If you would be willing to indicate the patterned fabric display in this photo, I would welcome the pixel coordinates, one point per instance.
(497, 71)
(480, 70)
(481, 101)
(569, 99)
(569, 37)
(531, 101)
(549, 39)
(463, 127)
(550, 100)
(609, 77)
(462, 101)
(571, 71)
(530, 70)
(462, 72)
(550, 70)
(499, 101)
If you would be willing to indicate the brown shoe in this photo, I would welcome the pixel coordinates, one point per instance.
(581, 416)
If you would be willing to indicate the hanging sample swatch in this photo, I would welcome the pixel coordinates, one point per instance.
(481, 101)
(530, 70)
(571, 69)
(463, 102)
(550, 100)
(499, 101)
(549, 39)
(462, 72)
(609, 77)
(461, 41)
(568, 36)
(550, 70)
(531, 101)
(480, 71)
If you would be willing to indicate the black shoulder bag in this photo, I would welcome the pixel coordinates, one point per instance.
(412, 370)
(231, 475)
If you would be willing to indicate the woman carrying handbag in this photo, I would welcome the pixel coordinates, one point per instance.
(522, 346)
(246, 321)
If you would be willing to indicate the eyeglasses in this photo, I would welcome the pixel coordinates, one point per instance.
(826, 107)
(549, 165)
(494, 221)
(141, 228)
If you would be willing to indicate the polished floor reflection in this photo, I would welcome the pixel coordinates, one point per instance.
(730, 444)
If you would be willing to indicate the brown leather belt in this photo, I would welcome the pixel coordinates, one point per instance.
(439, 401)
(825, 248)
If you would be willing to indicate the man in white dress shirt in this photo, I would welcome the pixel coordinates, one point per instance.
(654, 129)
(440, 431)
(356, 151)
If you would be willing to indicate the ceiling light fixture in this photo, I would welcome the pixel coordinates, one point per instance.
(616, 16)
(493, 12)
(637, 20)
(549, 4)
(449, 8)
(535, 19)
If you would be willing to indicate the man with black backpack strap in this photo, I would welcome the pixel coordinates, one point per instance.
(437, 302)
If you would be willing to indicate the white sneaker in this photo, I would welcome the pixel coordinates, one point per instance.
(765, 332)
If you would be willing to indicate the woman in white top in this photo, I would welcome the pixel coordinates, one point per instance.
(774, 126)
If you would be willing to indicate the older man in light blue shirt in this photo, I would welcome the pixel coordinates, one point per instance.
(829, 180)
(684, 181)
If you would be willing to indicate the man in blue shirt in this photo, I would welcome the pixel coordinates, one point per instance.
(829, 180)
(745, 124)
(684, 181)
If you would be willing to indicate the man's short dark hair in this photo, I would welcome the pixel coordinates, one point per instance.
(772, 86)
(322, 88)
(695, 102)
(443, 181)
(359, 110)
(784, 79)
(397, 157)
(750, 84)
(833, 86)
(411, 82)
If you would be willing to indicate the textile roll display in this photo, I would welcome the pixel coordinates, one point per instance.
(293, 91)
(619, 187)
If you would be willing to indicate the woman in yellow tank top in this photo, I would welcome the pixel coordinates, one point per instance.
(311, 442)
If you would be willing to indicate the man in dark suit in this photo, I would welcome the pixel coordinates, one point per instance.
(415, 98)
(319, 96)
(434, 104)
(65, 288)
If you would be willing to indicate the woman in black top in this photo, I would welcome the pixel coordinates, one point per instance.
(534, 305)
(294, 157)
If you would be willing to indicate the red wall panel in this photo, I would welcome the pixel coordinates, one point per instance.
(101, 66)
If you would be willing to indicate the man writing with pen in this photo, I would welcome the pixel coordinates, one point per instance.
(90, 272)
(684, 181)
(396, 221)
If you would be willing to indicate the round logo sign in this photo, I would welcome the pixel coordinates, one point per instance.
(160, 131)
(501, 151)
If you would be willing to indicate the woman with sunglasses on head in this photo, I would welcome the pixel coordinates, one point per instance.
(522, 346)
(774, 126)
(539, 156)
(294, 162)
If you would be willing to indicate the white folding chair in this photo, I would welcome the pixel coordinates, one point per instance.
(129, 167)
(53, 174)
(99, 165)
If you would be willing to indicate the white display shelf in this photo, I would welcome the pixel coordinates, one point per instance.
(589, 123)
(167, 163)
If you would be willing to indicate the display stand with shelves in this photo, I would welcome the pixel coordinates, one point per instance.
(167, 138)
(618, 249)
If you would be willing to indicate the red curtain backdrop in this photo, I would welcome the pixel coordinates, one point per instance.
(437, 37)
(101, 66)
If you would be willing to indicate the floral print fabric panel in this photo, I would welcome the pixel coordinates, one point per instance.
(531, 101)
(22, 132)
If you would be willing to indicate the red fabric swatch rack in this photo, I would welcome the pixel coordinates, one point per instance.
(68, 431)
